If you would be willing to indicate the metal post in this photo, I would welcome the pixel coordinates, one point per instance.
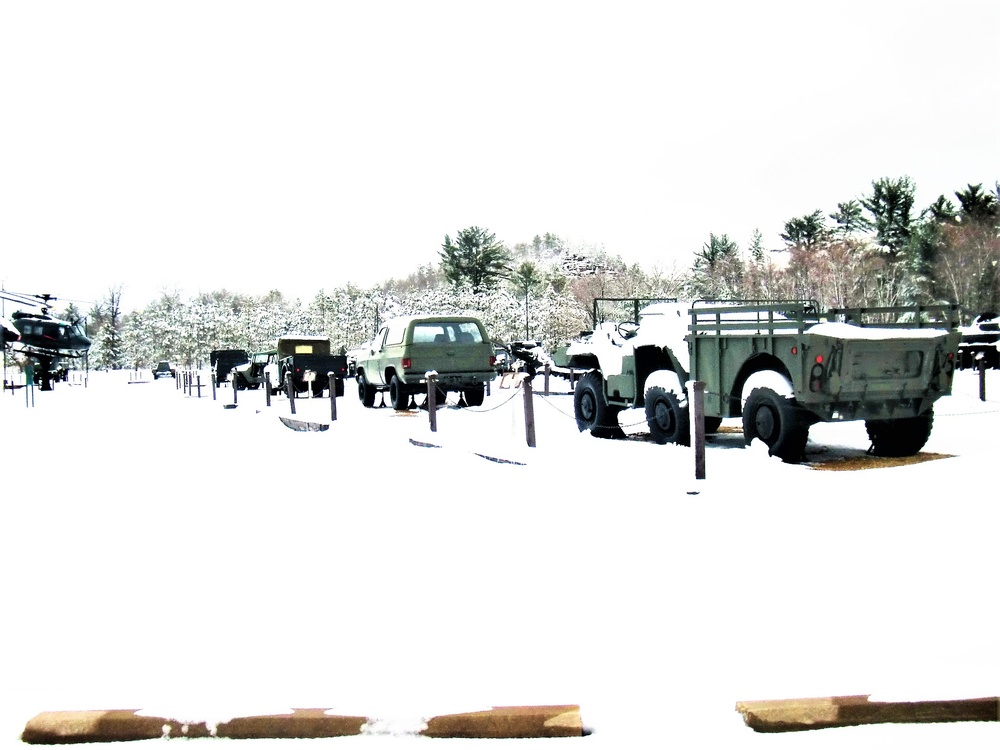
(332, 379)
(548, 371)
(290, 391)
(212, 376)
(267, 388)
(198, 380)
(982, 377)
(234, 389)
(432, 401)
(698, 427)
(529, 414)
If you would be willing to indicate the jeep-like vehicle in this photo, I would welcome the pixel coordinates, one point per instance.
(406, 349)
(250, 374)
(781, 366)
(308, 360)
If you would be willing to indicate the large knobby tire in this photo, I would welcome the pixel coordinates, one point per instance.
(366, 391)
(474, 396)
(397, 395)
(899, 437)
(592, 411)
(668, 420)
(775, 421)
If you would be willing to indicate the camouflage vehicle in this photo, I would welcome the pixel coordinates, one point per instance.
(781, 366)
(404, 350)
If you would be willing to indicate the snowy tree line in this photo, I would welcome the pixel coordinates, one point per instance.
(871, 251)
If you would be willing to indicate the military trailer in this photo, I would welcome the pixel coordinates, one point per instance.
(780, 366)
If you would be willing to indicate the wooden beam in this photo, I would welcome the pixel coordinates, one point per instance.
(798, 714)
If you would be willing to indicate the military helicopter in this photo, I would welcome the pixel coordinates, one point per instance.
(42, 337)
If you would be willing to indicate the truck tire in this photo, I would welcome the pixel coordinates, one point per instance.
(899, 437)
(397, 395)
(592, 411)
(473, 396)
(712, 425)
(668, 421)
(366, 392)
(775, 421)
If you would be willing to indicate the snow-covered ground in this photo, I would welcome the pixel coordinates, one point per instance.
(165, 553)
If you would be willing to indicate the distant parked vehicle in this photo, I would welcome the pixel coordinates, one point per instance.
(980, 342)
(224, 360)
(308, 361)
(251, 374)
(163, 369)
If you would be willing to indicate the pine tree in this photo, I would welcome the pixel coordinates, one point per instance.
(475, 258)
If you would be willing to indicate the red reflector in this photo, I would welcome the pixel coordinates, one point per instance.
(819, 359)
(493, 361)
(407, 363)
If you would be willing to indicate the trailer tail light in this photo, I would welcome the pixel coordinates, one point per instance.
(493, 361)
(407, 363)
(816, 375)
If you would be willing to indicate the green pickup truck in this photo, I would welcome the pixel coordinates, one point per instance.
(455, 348)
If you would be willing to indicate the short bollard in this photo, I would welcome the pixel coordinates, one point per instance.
(267, 388)
(213, 386)
(198, 378)
(548, 371)
(529, 413)
(981, 363)
(234, 389)
(290, 391)
(432, 400)
(698, 427)
(332, 380)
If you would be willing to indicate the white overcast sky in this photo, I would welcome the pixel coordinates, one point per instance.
(194, 146)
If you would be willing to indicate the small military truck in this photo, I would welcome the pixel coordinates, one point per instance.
(224, 360)
(307, 359)
(163, 369)
(455, 348)
(250, 374)
(780, 366)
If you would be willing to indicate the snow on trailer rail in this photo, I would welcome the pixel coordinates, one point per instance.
(798, 316)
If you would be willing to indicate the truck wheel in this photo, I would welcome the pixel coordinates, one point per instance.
(592, 411)
(899, 437)
(366, 392)
(668, 421)
(397, 395)
(774, 420)
(712, 425)
(474, 396)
